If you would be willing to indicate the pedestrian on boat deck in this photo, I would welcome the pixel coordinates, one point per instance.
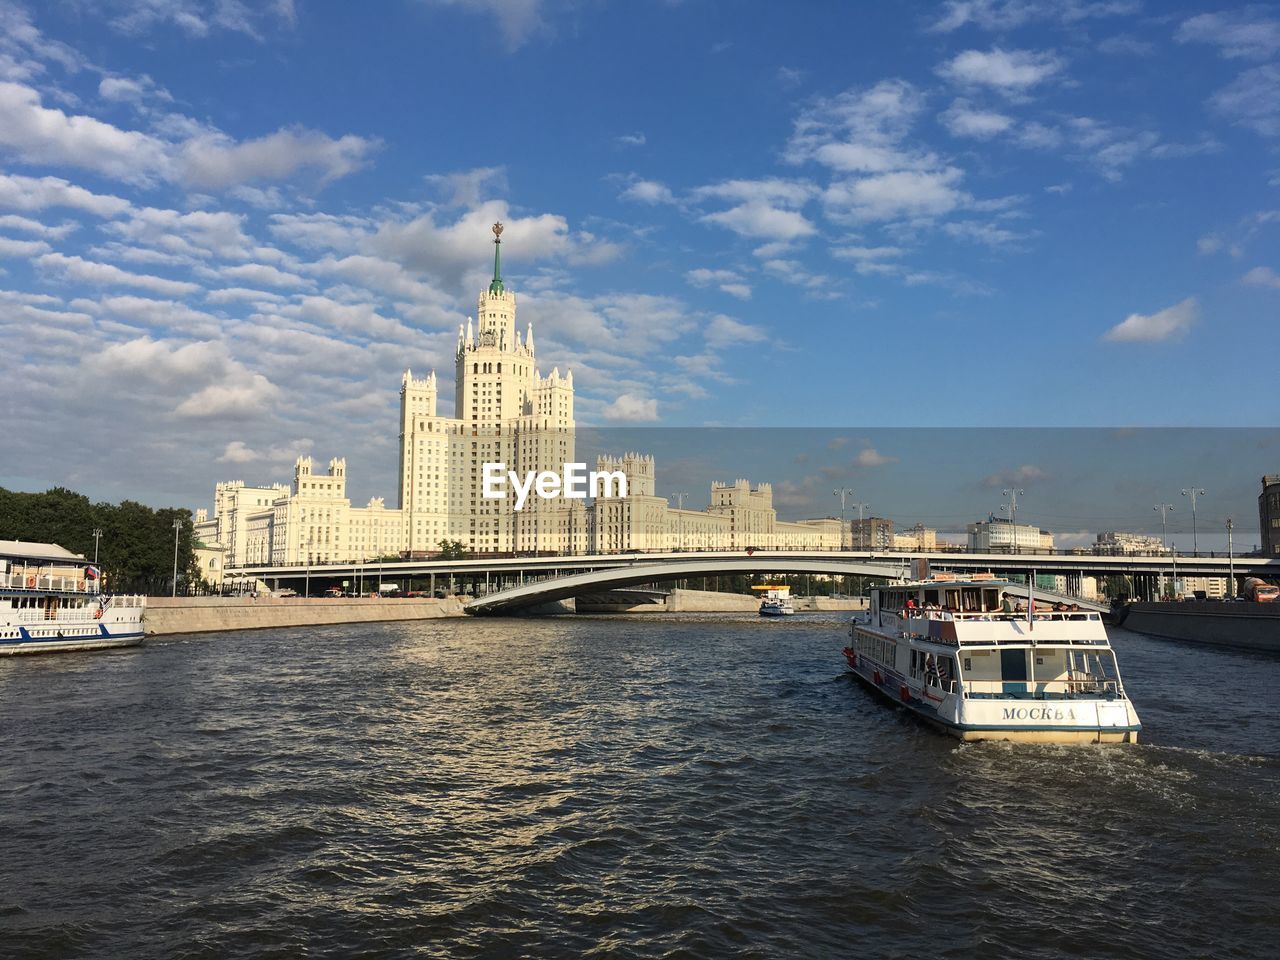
(1006, 603)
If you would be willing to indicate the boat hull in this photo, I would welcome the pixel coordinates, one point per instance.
(1017, 721)
(99, 636)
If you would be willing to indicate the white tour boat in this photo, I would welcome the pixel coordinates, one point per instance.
(953, 653)
(50, 599)
(775, 601)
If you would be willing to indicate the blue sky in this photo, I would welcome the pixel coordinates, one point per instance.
(226, 228)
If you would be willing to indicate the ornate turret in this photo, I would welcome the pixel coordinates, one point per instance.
(496, 285)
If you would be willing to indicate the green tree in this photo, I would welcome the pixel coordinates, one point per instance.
(136, 551)
(453, 550)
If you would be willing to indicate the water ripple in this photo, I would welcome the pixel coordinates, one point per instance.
(613, 788)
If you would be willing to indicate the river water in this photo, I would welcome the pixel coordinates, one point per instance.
(699, 786)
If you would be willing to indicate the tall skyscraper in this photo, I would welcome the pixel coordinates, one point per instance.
(505, 411)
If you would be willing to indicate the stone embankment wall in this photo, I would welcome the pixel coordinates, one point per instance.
(709, 601)
(1254, 626)
(169, 615)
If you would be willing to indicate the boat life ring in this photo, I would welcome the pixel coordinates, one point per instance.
(97, 614)
(31, 583)
(80, 585)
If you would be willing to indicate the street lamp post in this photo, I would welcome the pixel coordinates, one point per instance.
(1165, 509)
(1193, 493)
(97, 535)
(844, 493)
(1231, 558)
(1013, 493)
(679, 498)
(306, 590)
(177, 528)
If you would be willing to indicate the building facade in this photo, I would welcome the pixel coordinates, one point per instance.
(998, 535)
(873, 533)
(1269, 514)
(1118, 543)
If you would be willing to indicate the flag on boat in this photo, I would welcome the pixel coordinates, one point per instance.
(1031, 603)
(91, 572)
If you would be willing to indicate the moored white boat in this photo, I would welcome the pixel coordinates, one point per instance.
(951, 652)
(50, 600)
(775, 601)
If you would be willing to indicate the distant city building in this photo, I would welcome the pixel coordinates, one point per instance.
(505, 411)
(1269, 514)
(1214, 588)
(998, 535)
(872, 533)
(1119, 544)
(918, 538)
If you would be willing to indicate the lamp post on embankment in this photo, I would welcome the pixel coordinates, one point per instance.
(177, 528)
(1231, 560)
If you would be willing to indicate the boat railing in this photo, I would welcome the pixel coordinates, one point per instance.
(1077, 687)
(994, 615)
(45, 583)
(68, 613)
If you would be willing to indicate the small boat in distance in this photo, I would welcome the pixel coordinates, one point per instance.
(775, 601)
(958, 654)
(51, 600)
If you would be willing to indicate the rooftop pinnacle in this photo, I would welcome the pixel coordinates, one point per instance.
(496, 286)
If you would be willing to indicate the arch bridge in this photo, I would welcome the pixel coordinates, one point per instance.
(528, 596)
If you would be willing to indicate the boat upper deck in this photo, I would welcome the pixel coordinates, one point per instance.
(980, 612)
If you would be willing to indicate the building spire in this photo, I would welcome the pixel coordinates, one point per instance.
(496, 286)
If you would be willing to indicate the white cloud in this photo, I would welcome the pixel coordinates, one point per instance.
(987, 234)
(32, 193)
(11, 221)
(903, 193)
(1027, 473)
(767, 209)
(1262, 276)
(215, 160)
(758, 218)
(1171, 323)
(237, 451)
(131, 89)
(1003, 15)
(861, 130)
(38, 134)
(1011, 72)
(264, 275)
(1253, 100)
(1247, 33)
(21, 249)
(232, 294)
(632, 408)
(196, 18)
(963, 120)
(794, 273)
(871, 457)
(725, 331)
(105, 274)
(518, 20)
(726, 280)
(648, 191)
(636, 139)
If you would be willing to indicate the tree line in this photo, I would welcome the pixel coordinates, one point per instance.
(135, 550)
